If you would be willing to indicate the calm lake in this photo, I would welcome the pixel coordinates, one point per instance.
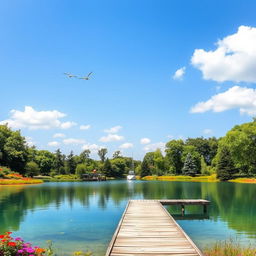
(84, 215)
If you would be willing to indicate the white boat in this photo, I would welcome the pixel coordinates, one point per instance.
(131, 175)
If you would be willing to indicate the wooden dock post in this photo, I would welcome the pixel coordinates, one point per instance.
(182, 209)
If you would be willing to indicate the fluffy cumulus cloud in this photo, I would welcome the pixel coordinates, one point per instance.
(111, 137)
(71, 141)
(233, 60)
(53, 144)
(207, 131)
(242, 98)
(126, 145)
(178, 75)
(59, 135)
(85, 127)
(33, 120)
(155, 146)
(92, 147)
(114, 129)
(145, 141)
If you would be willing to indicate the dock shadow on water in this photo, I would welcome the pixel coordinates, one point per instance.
(84, 215)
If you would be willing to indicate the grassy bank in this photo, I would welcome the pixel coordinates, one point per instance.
(230, 248)
(20, 181)
(211, 178)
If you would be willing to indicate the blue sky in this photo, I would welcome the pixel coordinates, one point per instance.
(133, 49)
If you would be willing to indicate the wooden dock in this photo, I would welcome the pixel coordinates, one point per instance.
(146, 228)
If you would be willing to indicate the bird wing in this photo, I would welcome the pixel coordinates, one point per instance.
(89, 74)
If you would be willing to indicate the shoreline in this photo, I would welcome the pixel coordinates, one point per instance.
(210, 178)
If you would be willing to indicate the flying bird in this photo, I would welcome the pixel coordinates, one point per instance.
(69, 75)
(86, 77)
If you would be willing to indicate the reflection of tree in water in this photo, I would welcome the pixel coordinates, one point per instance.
(233, 203)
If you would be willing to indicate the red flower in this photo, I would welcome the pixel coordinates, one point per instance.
(1, 236)
(12, 244)
(8, 233)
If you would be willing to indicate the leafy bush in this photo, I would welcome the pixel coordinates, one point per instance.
(4, 171)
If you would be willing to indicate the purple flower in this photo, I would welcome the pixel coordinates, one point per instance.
(18, 239)
(30, 250)
(20, 251)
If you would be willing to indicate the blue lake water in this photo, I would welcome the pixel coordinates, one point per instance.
(84, 215)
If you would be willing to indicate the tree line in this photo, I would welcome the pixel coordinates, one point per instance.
(228, 156)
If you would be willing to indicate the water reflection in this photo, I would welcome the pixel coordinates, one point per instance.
(93, 208)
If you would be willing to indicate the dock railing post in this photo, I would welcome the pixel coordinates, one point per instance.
(182, 209)
(205, 208)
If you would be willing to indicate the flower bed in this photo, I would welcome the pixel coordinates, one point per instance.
(8, 177)
(10, 246)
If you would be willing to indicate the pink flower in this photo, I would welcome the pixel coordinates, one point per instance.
(30, 250)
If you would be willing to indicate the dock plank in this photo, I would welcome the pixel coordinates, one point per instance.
(146, 228)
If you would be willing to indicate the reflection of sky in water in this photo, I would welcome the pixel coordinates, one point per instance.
(85, 215)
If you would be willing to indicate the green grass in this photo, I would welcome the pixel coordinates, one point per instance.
(20, 181)
(211, 178)
(230, 248)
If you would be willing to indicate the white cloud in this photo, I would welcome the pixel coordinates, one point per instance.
(145, 141)
(67, 125)
(242, 98)
(114, 129)
(92, 147)
(155, 146)
(170, 136)
(73, 141)
(178, 75)
(59, 135)
(126, 145)
(85, 127)
(29, 141)
(53, 144)
(111, 137)
(207, 131)
(33, 120)
(233, 60)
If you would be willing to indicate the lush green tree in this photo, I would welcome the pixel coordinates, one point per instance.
(80, 170)
(204, 167)
(31, 169)
(58, 162)
(241, 142)
(102, 154)
(117, 154)
(190, 167)
(5, 133)
(174, 151)
(205, 147)
(16, 152)
(188, 149)
(225, 164)
(85, 155)
(70, 163)
(145, 168)
(107, 168)
(159, 163)
(45, 160)
(120, 166)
